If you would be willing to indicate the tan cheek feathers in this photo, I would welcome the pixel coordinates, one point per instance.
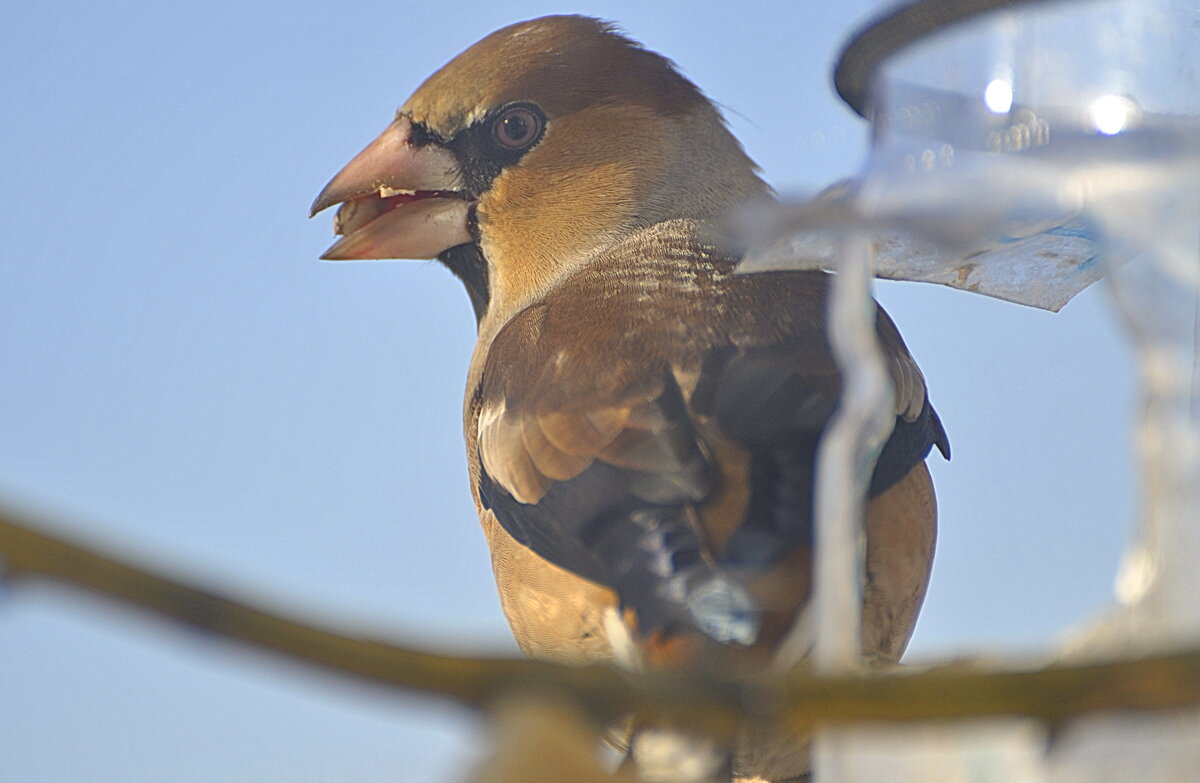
(583, 186)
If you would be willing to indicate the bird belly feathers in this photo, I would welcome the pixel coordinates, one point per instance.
(558, 616)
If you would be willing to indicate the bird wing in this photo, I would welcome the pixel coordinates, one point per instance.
(657, 413)
(551, 473)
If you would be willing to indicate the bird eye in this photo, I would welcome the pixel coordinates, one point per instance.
(517, 127)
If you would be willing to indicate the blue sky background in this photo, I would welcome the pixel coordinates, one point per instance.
(181, 379)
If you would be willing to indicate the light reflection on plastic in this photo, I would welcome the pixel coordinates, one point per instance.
(1112, 114)
(998, 96)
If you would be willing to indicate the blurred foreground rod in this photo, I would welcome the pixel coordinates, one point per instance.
(801, 699)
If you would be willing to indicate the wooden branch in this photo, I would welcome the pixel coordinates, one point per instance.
(1054, 694)
(799, 700)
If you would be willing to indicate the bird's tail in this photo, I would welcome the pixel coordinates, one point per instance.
(655, 560)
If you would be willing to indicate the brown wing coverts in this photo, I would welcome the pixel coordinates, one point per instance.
(605, 397)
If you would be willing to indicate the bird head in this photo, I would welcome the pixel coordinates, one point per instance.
(530, 152)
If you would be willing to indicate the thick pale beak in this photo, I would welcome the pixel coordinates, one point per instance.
(398, 200)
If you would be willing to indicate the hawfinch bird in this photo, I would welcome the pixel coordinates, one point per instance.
(641, 422)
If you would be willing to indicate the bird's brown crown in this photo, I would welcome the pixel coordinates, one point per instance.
(562, 63)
